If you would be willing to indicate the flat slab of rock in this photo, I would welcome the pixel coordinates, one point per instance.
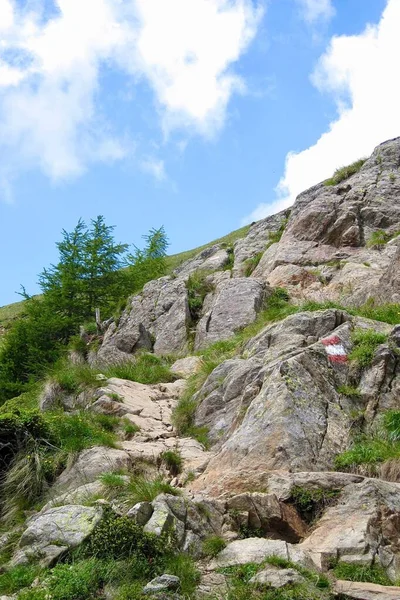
(366, 591)
(256, 550)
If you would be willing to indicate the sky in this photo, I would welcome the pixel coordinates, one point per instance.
(199, 115)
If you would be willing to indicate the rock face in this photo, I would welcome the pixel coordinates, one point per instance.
(280, 408)
(156, 320)
(234, 304)
(366, 591)
(53, 532)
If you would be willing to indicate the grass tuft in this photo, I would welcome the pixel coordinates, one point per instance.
(365, 343)
(344, 173)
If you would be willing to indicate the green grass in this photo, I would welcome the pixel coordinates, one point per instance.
(365, 343)
(113, 480)
(351, 572)
(173, 461)
(16, 578)
(213, 545)
(198, 287)
(380, 238)
(349, 391)
(141, 489)
(312, 502)
(252, 263)
(144, 368)
(129, 428)
(344, 173)
(183, 566)
(10, 312)
(315, 587)
(373, 449)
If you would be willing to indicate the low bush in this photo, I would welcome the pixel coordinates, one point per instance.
(365, 343)
(344, 173)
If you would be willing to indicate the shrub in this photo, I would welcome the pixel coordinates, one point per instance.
(353, 572)
(173, 461)
(365, 343)
(141, 489)
(344, 173)
(145, 368)
(118, 537)
(213, 545)
(77, 581)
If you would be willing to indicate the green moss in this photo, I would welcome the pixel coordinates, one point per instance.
(344, 173)
(349, 390)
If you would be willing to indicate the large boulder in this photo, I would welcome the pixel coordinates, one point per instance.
(234, 304)
(49, 534)
(360, 590)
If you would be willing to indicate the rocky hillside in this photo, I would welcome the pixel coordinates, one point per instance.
(248, 421)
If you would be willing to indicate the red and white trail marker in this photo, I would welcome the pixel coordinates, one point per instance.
(335, 349)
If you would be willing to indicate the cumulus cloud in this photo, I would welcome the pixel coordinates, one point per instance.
(51, 67)
(359, 72)
(316, 10)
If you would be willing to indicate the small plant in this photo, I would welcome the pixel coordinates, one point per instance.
(113, 480)
(129, 427)
(392, 177)
(141, 489)
(213, 545)
(198, 287)
(114, 396)
(311, 502)
(231, 259)
(344, 173)
(184, 567)
(173, 460)
(380, 238)
(353, 572)
(252, 263)
(349, 390)
(365, 343)
(275, 236)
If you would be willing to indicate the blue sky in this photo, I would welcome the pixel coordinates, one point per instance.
(199, 115)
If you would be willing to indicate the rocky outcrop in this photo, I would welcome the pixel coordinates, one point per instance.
(278, 407)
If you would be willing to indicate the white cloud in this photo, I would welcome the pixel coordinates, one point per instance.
(50, 74)
(360, 73)
(155, 167)
(316, 10)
